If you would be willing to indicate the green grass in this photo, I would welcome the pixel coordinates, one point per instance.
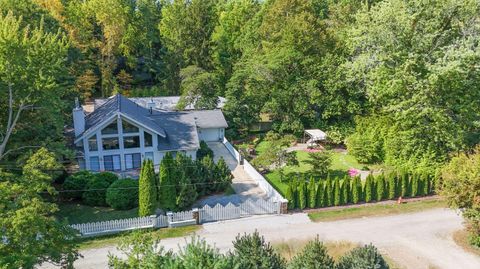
(262, 146)
(77, 213)
(343, 161)
(113, 240)
(375, 210)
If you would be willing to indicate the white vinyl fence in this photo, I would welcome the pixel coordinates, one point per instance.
(205, 214)
(271, 192)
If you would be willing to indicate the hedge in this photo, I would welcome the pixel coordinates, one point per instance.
(75, 184)
(96, 192)
(123, 194)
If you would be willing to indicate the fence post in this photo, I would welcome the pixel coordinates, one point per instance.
(283, 206)
(153, 219)
(170, 218)
(196, 215)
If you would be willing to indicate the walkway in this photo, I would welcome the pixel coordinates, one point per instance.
(417, 240)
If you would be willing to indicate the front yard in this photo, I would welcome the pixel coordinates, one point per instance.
(75, 213)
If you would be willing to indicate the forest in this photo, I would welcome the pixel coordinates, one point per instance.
(396, 80)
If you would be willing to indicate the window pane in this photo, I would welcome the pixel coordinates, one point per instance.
(110, 143)
(112, 162)
(133, 161)
(94, 164)
(112, 128)
(128, 127)
(149, 155)
(128, 161)
(92, 143)
(116, 163)
(137, 160)
(148, 139)
(131, 142)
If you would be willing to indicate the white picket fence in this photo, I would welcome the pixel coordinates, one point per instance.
(271, 192)
(230, 211)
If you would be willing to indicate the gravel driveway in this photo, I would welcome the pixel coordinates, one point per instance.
(416, 240)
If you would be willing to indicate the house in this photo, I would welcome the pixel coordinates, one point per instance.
(121, 132)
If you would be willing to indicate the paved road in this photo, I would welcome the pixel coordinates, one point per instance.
(417, 240)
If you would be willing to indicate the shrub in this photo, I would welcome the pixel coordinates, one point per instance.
(415, 185)
(380, 187)
(107, 176)
(76, 183)
(425, 184)
(147, 190)
(356, 190)
(319, 195)
(289, 196)
(251, 251)
(314, 255)
(328, 195)
(365, 257)
(204, 150)
(223, 175)
(302, 195)
(167, 193)
(312, 193)
(96, 192)
(336, 192)
(404, 192)
(392, 185)
(123, 194)
(368, 188)
(346, 193)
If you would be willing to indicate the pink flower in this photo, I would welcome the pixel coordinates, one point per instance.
(352, 172)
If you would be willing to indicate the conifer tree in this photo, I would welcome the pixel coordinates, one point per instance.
(328, 192)
(380, 187)
(167, 183)
(296, 197)
(368, 188)
(404, 184)
(415, 183)
(302, 193)
(312, 193)
(147, 192)
(346, 190)
(336, 192)
(426, 183)
(319, 195)
(392, 186)
(289, 196)
(356, 190)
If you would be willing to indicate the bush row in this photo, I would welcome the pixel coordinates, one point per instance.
(334, 192)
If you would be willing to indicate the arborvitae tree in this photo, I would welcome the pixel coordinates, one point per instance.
(337, 195)
(302, 194)
(289, 196)
(187, 193)
(392, 186)
(346, 190)
(167, 183)
(296, 197)
(425, 184)
(380, 187)
(208, 171)
(328, 192)
(320, 194)
(356, 190)
(312, 193)
(223, 175)
(415, 183)
(147, 196)
(368, 188)
(404, 184)
(314, 255)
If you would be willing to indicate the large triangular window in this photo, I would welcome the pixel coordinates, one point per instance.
(128, 127)
(112, 128)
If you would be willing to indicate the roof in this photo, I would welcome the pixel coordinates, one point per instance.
(209, 119)
(180, 128)
(161, 102)
(316, 134)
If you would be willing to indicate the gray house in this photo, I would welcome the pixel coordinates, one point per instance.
(121, 132)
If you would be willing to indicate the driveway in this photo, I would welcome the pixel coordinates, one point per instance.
(416, 240)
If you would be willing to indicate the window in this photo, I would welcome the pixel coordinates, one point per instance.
(94, 164)
(110, 143)
(147, 139)
(81, 163)
(149, 156)
(112, 128)
(128, 127)
(133, 161)
(112, 162)
(92, 143)
(131, 142)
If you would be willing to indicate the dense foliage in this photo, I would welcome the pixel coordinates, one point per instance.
(249, 251)
(123, 194)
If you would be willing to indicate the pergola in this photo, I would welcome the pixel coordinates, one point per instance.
(314, 135)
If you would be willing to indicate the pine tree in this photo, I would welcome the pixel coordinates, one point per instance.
(356, 190)
(336, 192)
(147, 192)
(380, 184)
(328, 191)
(319, 195)
(346, 190)
(404, 184)
(289, 196)
(167, 186)
(392, 186)
(368, 188)
(312, 193)
(302, 193)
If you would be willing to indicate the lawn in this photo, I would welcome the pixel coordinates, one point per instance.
(163, 233)
(75, 213)
(370, 210)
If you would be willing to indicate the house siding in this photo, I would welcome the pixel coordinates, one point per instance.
(211, 134)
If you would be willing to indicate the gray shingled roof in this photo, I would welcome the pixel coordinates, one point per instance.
(161, 102)
(180, 128)
(209, 119)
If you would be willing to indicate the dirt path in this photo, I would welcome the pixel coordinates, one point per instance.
(417, 240)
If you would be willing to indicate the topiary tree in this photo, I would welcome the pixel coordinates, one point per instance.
(302, 194)
(392, 186)
(366, 257)
(320, 193)
(75, 184)
(251, 251)
(107, 176)
(312, 193)
(123, 194)
(368, 188)
(96, 191)
(204, 150)
(167, 193)
(147, 197)
(313, 255)
(346, 193)
(380, 187)
(336, 192)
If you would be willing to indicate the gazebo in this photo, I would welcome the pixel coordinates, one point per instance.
(315, 135)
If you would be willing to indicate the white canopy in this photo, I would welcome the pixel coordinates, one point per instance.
(316, 134)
